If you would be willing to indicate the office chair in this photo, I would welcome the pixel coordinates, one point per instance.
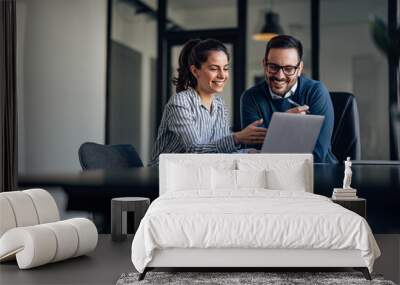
(346, 130)
(108, 157)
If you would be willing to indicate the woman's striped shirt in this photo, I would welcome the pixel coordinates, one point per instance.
(188, 127)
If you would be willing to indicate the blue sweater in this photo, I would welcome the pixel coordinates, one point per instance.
(257, 102)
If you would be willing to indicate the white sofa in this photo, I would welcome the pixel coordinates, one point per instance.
(31, 231)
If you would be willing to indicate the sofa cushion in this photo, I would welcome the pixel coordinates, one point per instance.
(7, 218)
(40, 244)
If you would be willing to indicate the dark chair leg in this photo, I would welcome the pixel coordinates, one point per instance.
(364, 271)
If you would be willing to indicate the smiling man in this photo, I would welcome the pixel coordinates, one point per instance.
(286, 90)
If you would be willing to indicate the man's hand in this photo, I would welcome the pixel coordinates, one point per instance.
(299, 110)
(251, 134)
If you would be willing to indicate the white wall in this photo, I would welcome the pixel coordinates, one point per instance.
(61, 51)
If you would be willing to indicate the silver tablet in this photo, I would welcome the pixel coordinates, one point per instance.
(292, 133)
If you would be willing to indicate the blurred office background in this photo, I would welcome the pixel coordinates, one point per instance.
(97, 70)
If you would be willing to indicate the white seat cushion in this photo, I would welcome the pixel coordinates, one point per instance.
(87, 233)
(31, 232)
(23, 208)
(32, 246)
(67, 237)
(7, 218)
(46, 207)
(26, 208)
(40, 244)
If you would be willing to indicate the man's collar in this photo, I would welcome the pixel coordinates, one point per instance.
(287, 95)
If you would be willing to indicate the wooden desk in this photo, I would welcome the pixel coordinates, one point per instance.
(93, 190)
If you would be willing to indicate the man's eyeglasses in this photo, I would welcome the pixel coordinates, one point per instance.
(287, 69)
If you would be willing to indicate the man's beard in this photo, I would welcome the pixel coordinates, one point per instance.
(286, 80)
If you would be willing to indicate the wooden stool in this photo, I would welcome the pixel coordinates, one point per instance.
(119, 209)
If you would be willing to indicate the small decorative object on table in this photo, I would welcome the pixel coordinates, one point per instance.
(347, 196)
(119, 209)
(347, 192)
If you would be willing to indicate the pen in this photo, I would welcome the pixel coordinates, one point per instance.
(296, 104)
(259, 112)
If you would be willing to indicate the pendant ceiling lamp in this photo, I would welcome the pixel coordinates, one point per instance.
(270, 29)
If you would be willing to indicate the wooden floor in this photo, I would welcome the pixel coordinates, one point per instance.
(110, 259)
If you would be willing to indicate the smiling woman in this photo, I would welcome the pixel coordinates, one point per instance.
(196, 120)
(212, 78)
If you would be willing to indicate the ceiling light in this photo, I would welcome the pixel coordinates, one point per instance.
(270, 29)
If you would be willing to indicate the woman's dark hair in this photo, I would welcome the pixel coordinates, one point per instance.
(284, 41)
(194, 52)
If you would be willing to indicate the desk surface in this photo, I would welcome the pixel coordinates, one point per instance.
(378, 184)
(102, 266)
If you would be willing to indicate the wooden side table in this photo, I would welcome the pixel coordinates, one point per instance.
(358, 206)
(119, 209)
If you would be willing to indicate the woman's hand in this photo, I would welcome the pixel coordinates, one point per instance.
(251, 134)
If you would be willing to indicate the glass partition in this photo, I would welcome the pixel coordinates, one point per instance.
(350, 61)
(132, 85)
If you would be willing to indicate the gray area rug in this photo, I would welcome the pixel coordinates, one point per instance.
(273, 278)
